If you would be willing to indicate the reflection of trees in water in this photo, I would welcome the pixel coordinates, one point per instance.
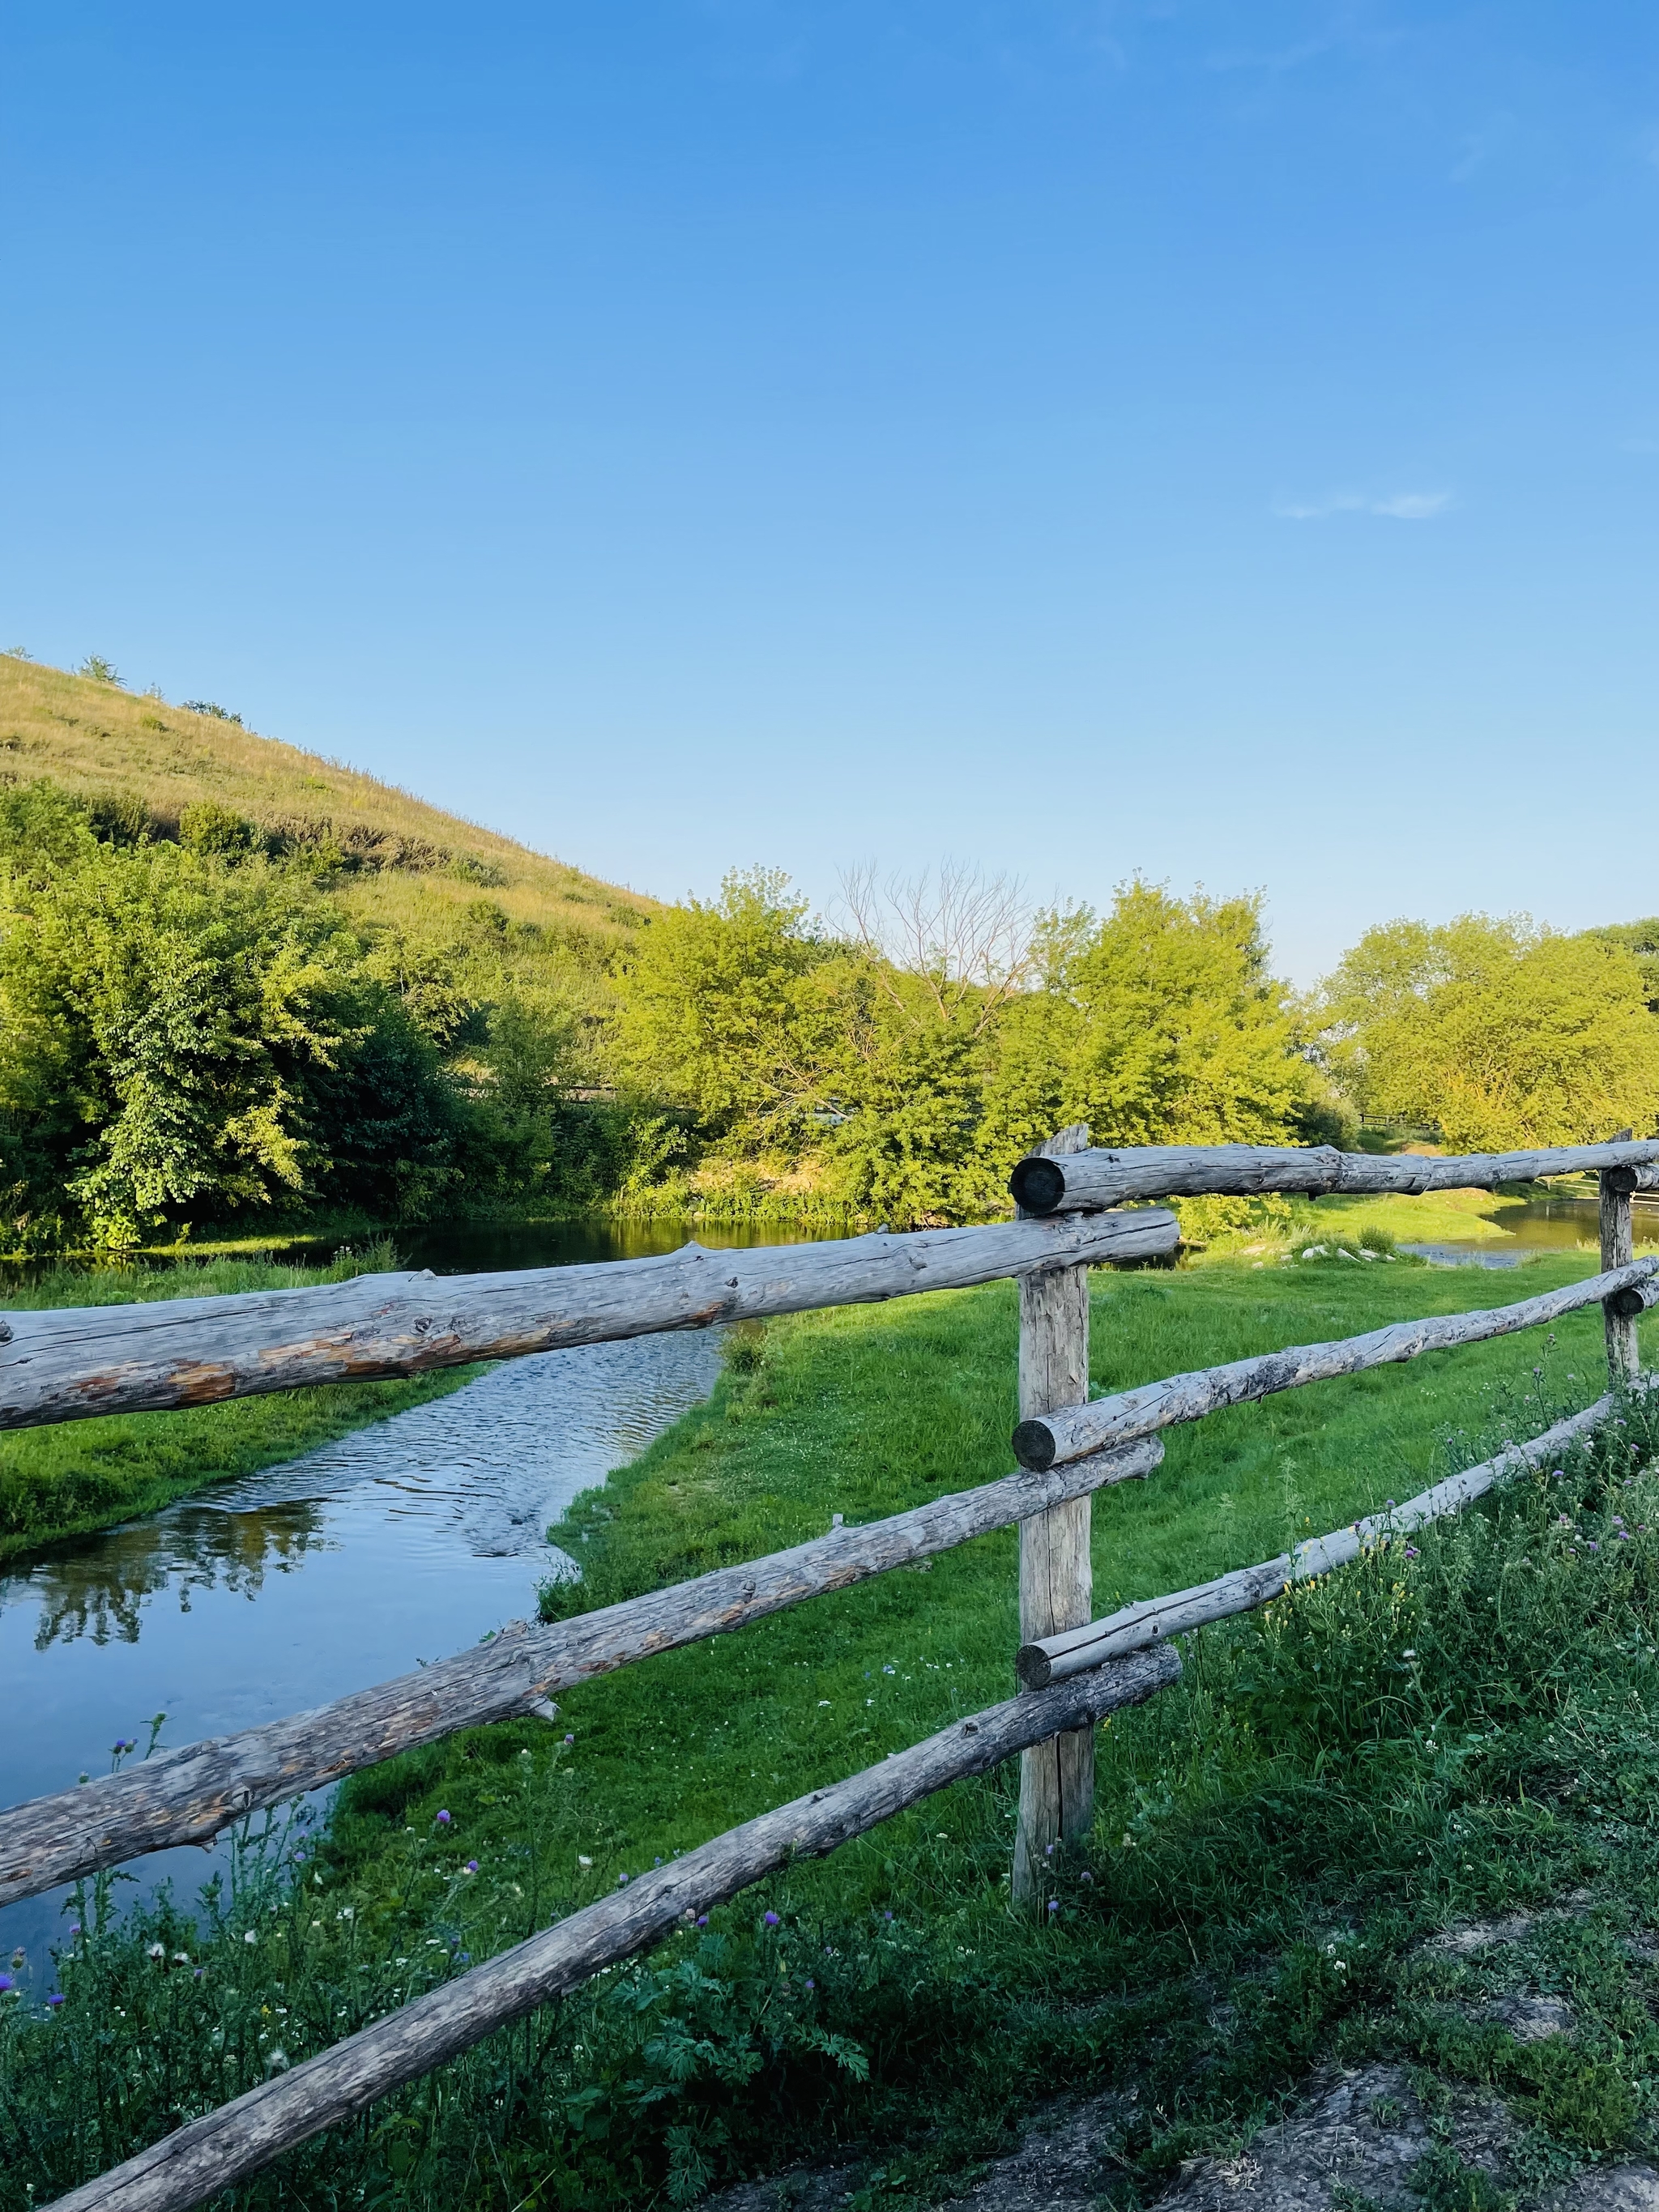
(99, 1590)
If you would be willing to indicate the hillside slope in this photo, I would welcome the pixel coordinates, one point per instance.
(407, 863)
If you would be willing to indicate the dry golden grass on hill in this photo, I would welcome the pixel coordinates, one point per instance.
(94, 737)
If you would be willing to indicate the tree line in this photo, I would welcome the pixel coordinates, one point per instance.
(194, 1030)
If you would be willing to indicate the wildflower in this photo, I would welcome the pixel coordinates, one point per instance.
(442, 1819)
(622, 1881)
(886, 1916)
(823, 1702)
(1408, 1655)
(5, 1982)
(889, 1670)
(770, 1920)
(1053, 1905)
(1411, 1551)
(1593, 1547)
(570, 1739)
(581, 1861)
(657, 1862)
(1085, 1876)
(75, 1930)
(55, 1999)
(702, 1920)
(158, 1950)
(808, 1985)
(471, 1866)
(250, 1937)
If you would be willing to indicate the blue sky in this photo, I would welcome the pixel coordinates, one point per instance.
(1206, 440)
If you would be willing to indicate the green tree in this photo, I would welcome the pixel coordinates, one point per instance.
(178, 1036)
(1499, 1034)
(713, 1014)
(1156, 1023)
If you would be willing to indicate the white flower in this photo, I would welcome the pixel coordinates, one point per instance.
(160, 1950)
(250, 1937)
(581, 1861)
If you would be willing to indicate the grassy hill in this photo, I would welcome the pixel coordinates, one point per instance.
(405, 862)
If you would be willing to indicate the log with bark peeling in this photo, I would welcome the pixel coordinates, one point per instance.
(1099, 1177)
(188, 1796)
(1059, 1437)
(212, 2154)
(71, 1365)
(1135, 1627)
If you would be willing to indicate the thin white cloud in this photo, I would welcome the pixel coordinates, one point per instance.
(1398, 506)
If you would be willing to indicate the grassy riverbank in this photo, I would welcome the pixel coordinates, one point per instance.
(1421, 1740)
(82, 1475)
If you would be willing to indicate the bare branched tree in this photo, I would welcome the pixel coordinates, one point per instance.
(967, 935)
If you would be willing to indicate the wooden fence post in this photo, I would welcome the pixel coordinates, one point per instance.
(1618, 1250)
(1056, 1580)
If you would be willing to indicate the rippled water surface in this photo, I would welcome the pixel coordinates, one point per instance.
(401, 1542)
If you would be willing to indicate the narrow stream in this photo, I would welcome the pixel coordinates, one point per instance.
(401, 1542)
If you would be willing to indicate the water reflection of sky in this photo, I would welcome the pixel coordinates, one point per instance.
(401, 1542)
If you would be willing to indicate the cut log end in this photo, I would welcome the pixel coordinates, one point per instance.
(1039, 1184)
(1034, 1446)
(1034, 1667)
(1636, 1298)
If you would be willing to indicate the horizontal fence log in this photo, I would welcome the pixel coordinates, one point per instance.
(1100, 1177)
(213, 2152)
(1081, 1430)
(188, 1796)
(1628, 1180)
(72, 1365)
(1137, 1627)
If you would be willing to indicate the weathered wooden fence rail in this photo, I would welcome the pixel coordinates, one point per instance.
(70, 1366)
(1098, 1176)
(56, 1367)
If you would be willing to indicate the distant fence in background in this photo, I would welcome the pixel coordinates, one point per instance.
(69, 1365)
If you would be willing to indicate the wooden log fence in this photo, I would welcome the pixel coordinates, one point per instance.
(1056, 1572)
(1100, 1177)
(1081, 1430)
(206, 2155)
(1135, 1627)
(71, 1366)
(68, 1366)
(188, 1796)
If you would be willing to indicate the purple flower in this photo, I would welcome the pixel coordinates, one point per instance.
(1048, 1850)
(886, 1916)
(443, 1819)
(770, 1920)
(570, 1739)
(622, 1881)
(1594, 1547)
(120, 1744)
(74, 1931)
(5, 1981)
(1085, 1876)
(1411, 1551)
(55, 1999)
(808, 1985)
(472, 1866)
(702, 1920)
(1053, 1905)
(656, 1861)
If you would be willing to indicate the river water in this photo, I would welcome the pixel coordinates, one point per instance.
(401, 1542)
